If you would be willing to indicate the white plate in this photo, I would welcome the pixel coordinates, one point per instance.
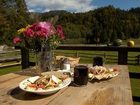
(103, 76)
(24, 83)
(101, 72)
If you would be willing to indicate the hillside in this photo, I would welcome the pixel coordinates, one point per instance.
(103, 24)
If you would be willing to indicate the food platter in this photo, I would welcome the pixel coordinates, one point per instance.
(100, 72)
(53, 85)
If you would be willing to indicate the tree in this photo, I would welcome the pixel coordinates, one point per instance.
(13, 15)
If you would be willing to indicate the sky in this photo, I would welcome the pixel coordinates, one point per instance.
(78, 5)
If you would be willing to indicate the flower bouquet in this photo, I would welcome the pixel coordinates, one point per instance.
(42, 37)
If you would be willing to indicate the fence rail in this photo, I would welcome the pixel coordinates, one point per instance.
(107, 57)
(122, 52)
(9, 58)
(18, 58)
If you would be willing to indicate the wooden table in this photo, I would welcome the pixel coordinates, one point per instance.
(115, 91)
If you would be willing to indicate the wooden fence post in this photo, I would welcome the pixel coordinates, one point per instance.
(25, 58)
(138, 59)
(77, 54)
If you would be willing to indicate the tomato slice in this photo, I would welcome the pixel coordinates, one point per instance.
(41, 86)
(32, 85)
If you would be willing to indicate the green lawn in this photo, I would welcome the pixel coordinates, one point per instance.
(135, 83)
(9, 70)
(137, 41)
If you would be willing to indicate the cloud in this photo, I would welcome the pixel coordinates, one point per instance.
(69, 5)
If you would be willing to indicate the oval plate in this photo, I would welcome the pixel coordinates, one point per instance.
(24, 83)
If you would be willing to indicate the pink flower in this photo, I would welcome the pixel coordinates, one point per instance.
(43, 29)
(17, 40)
(29, 33)
(46, 25)
(42, 33)
(60, 31)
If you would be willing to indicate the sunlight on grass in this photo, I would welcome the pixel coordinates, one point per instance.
(136, 103)
(9, 70)
(135, 83)
(134, 68)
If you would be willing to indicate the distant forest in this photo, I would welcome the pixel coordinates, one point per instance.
(101, 25)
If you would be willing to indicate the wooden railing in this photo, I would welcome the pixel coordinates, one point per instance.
(122, 52)
(10, 58)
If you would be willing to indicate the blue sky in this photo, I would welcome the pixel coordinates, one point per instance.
(78, 5)
(122, 4)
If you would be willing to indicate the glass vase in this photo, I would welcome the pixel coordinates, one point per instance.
(45, 59)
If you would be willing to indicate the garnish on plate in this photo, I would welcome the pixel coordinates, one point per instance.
(44, 82)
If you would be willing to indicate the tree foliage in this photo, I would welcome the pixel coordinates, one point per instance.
(13, 16)
(101, 25)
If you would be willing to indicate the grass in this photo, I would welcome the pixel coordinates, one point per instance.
(137, 41)
(134, 68)
(9, 70)
(135, 83)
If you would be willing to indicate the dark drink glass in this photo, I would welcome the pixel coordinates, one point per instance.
(98, 61)
(81, 75)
